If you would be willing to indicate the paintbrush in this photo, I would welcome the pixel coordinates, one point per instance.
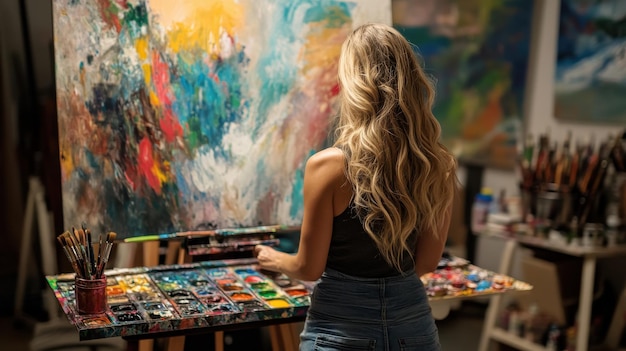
(109, 246)
(72, 242)
(85, 248)
(215, 232)
(106, 253)
(92, 259)
(77, 241)
(73, 249)
(100, 251)
(69, 256)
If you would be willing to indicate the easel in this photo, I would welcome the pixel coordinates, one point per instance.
(36, 210)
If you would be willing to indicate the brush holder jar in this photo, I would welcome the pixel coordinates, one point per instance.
(91, 296)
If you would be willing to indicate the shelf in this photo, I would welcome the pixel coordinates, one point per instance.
(505, 337)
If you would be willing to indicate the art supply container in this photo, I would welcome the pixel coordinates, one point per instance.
(91, 296)
(549, 202)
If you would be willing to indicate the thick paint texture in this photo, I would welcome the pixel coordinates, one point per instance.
(186, 115)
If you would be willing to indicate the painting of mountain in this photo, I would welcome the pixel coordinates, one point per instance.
(590, 79)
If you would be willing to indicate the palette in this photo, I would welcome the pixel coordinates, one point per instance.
(168, 298)
(216, 293)
(458, 281)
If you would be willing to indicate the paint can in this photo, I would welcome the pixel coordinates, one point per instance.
(91, 297)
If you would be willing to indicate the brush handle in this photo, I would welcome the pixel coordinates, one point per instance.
(72, 260)
(92, 259)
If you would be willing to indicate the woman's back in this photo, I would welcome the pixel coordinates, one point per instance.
(353, 252)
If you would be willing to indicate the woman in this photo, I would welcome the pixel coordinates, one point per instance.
(376, 205)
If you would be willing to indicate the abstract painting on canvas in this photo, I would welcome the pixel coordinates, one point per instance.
(199, 114)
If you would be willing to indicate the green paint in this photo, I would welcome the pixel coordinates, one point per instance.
(267, 294)
(134, 19)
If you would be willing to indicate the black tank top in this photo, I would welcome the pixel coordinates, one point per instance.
(353, 252)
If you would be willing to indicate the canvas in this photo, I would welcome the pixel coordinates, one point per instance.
(590, 79)
(477, 53)
(198, 114)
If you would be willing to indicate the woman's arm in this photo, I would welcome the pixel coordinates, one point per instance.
(323, 175)
(430, 248)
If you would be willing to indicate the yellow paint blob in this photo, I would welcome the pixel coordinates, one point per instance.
(198, 24)
(141, 46)
(147, 73)
(67, 161)
(156, 170)
(154, 100)
(278, 303)
(322, 49)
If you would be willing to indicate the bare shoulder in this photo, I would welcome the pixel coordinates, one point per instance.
(331, 157)
(327, 163)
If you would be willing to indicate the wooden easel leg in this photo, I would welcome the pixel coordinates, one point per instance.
(219, 341)
(175, 343)
(286, 336)
(173, 252)
(151, 253)
(146, 345)
(275, 338)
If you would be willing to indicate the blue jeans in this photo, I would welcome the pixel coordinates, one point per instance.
(351, 313)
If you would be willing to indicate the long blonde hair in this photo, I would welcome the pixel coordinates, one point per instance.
(402, 177)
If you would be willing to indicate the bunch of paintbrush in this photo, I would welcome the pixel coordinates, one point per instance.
(78, 247)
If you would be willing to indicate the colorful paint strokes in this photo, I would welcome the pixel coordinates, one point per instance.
(177, 116)
(477, 53)
(590, 79)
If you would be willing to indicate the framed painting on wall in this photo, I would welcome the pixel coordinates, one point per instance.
(590, 78)
(178, 116)
(477, 53)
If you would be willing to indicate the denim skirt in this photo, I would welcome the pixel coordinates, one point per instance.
(386, 314)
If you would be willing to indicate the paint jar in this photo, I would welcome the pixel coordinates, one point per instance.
(549, 201)
(91, 296)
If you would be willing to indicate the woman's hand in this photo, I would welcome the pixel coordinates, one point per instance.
(268, 257)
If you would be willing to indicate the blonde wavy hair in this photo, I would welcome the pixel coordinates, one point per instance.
(402, 177)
